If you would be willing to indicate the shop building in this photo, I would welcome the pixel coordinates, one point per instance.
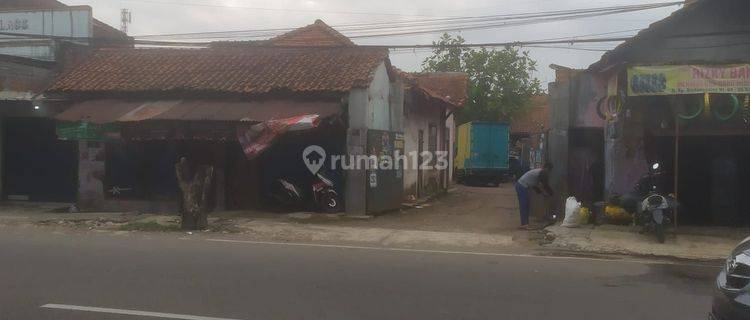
(35, 165)
(677, 94)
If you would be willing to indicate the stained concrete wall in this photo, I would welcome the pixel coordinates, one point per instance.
(378, 115)
(559, 99)
(377, 107)
(419, 115)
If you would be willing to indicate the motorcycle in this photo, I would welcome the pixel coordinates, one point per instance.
(324, 194)
(655, 210)
(324, 197)
(650, 208)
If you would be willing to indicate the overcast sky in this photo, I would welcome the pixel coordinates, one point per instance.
(178, 16)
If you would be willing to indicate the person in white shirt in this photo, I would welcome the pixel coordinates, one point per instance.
(537, 179)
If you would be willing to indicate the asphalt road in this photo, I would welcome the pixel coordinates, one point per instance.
(195, 278)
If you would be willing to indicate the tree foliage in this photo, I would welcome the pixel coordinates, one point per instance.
(500, 81)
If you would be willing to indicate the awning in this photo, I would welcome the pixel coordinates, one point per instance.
(113, 110)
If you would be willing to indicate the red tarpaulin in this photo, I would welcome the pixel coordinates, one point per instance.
(257, 138)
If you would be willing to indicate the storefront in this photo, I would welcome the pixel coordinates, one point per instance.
(695, 121)
(128, 149)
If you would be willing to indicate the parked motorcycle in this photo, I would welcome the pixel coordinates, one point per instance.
(656, 209)
(647, 203)
(323, 196)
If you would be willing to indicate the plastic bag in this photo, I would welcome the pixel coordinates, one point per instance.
(584, 215)
(572, 213)
(617, 215)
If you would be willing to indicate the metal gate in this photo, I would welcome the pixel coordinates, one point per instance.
(385, 184)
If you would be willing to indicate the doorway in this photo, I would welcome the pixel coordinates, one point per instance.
(38, 166)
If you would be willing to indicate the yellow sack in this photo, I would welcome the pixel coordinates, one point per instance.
(617, 214)
(584, 215)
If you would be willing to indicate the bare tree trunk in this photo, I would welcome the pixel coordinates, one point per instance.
(196, 189)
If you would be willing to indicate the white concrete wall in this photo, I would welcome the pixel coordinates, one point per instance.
(378, 100)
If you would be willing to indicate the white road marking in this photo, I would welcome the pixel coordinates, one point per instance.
(473, 253)
(130, 312)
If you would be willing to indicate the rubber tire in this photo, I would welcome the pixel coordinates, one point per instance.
(699, 111)
(660, 233)
(735, 108)
(330, 203)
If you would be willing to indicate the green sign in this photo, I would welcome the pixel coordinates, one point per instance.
(87, 131)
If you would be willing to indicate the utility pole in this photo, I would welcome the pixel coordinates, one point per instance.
(125, 18)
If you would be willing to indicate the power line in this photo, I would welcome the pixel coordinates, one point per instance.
(457, 22)
(188, 4)
(491, 25)
(567, 48)
(415, 46)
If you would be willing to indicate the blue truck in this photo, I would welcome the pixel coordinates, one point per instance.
(482, 154)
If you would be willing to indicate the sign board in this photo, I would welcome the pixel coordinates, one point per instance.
(87, 131)
(73, 22)
(65, 22)
(688, 79)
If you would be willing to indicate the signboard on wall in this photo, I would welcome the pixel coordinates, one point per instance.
(688, 79)
(85, 131)
(65, 22)
(73, 22)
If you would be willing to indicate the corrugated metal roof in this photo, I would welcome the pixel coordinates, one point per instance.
(613, 56)
(112, 110)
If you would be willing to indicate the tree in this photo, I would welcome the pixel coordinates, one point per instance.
(196, 186)
(500, 81)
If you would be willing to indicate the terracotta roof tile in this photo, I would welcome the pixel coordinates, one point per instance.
(247, 70)
(535, 120)
(450, 87)
(316, 34)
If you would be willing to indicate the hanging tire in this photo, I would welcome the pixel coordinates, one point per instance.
(734, 104)
(699, 106)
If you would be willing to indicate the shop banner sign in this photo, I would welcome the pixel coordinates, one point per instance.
(87, 131)
(688, 79)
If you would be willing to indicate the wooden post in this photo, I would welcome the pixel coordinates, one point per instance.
(676, 166)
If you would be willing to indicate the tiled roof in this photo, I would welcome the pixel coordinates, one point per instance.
(450, 87)
(247, 70)
(316, 34)
(535, 119)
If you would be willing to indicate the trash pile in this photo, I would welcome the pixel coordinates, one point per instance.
(576, 214)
